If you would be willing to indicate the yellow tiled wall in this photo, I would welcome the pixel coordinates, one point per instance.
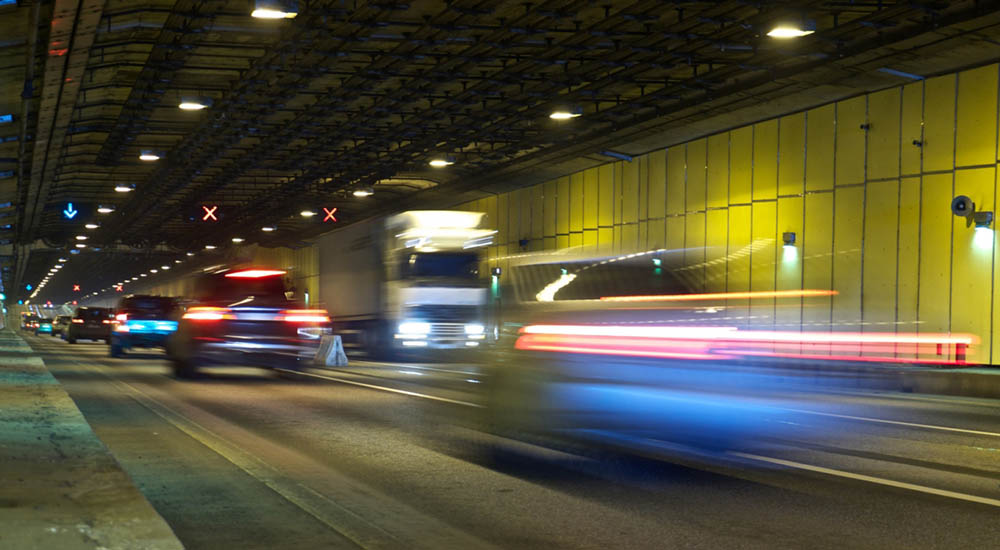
(864, 183)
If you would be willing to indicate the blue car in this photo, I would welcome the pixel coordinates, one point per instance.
(142, 322)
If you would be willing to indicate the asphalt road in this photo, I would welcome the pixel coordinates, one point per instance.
(381, 456)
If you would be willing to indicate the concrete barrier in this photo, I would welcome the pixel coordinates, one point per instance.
(60, 487)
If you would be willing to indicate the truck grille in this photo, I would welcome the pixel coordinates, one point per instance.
(442, 313)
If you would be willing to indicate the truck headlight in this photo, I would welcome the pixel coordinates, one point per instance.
(414, 328)
(474, 328)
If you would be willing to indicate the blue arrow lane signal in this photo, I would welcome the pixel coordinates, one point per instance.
(69, 212)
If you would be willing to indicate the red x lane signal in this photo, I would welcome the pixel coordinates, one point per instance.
(76, 288)
(329, 214)
(209, 213)
(118, 288)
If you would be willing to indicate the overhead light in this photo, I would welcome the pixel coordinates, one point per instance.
(149, 155)
(61, 260)
(209, 247)
(566, 114)
(364, 192)
(122, 188)
(164, 267)
(91, 226)
(135, 278)
(237, 239)
(307, 213)
(153, 271)
(267, 228)
(105, 209)
(81, 245)
(273, 9)
(143, 275)
(81, 237)
(788, 29)
(194, 103)
(441, 163)
(177, 261)
(189, 254)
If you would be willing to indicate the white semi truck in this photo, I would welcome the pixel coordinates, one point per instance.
(409, 281)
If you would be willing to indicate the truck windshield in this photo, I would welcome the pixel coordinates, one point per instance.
(442, 264)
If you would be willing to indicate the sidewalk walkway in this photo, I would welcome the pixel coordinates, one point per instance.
(60, 487)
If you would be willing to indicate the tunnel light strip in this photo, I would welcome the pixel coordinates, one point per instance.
(722, 296)
(732, 333)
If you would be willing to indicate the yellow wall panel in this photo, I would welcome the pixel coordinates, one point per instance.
(675, 179)
(850, 161)
(675, 233)
(765, 160)
(817, 259)
(696, 158)
(911, 128)
(740, 164)
(657, 183)
(788, 311)
(502, 220)
(590, 198)
(847, 236)
(605, 196)
(883, 137)
(537, 212)
(619, 186)
(694, 253)
(972, 263)
(738, 261)
(791, 154)
(762, 259)
(879, 300)
(716, 236)
(718, 170)
(562, 206)
(643, 162)
(605, 240)
(820, 129)
(908, 254)
(590, 241)
(630, 192)
(976, 128)
(939, 123)
(575, 240)
(549, 208)
(576, 202)
(656, 233)
(935, 254)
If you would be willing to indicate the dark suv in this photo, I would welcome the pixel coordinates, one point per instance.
(244, 317)
(89, 323)
(142, 321)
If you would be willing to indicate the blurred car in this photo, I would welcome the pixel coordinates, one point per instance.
(44, 326)
(633, 351)
(89, 323)
(29, 322)
(142, 321)
(60, 325)
(245, 317)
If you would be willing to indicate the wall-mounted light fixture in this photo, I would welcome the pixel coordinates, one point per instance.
(963, 207)
(789, 253)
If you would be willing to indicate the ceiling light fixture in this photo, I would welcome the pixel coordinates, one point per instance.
(237, 240)
(122, 188)
(149, 155)
(209, 247)
(364, 192)
(307, 213)
(81, 237)
(274, 9)
(91, 226)
(81, 245)
(189, 254)
(194, 103)
(105, 209)
(441, 163)
(61, 260)
(792, 29)
(267, 228)
(566, 114)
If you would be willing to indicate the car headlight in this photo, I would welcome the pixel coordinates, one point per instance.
(414, 327)
(474, 328)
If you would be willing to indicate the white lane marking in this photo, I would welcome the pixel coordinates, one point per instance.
(870, 479)
(896, 422)
(383, 388)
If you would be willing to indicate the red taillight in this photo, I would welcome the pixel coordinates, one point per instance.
(106, 321)
(255, 273)
(304, 316)
(78, 321)
(208, 314)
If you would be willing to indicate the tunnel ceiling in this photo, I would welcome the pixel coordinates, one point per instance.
(357, 95)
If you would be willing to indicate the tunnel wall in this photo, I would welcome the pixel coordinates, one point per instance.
(864, 183)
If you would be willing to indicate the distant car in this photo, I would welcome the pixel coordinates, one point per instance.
(142, 321)
(90, 323)
(60, 324)
(44, 326)
(29, 322)
(244, 317)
